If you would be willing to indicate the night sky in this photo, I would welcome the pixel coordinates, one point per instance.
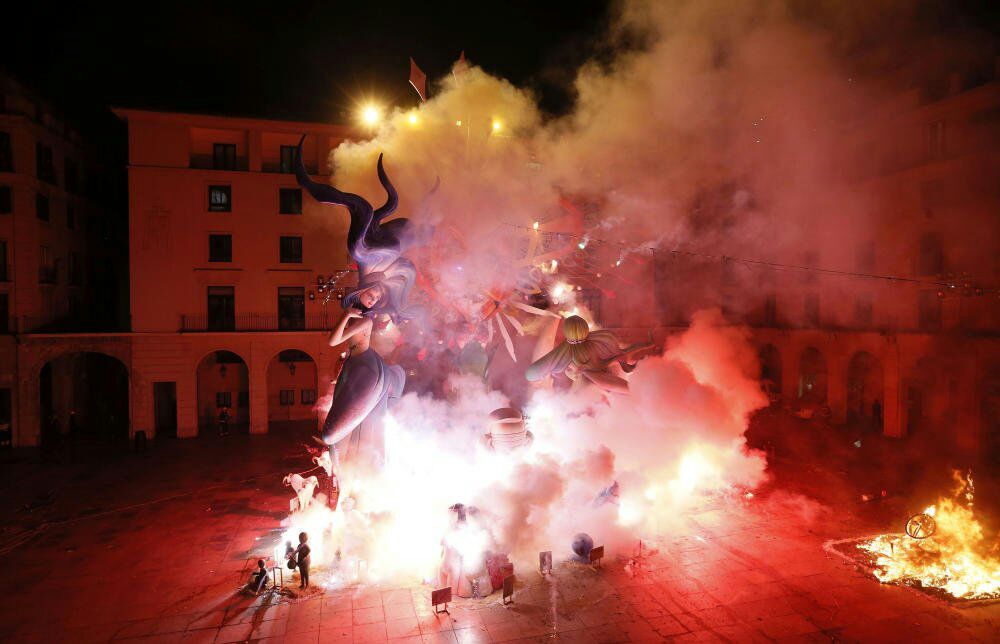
(304, 60)
(316, 61)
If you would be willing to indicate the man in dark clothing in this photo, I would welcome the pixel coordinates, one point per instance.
(302, 559)
(224, 421)
(258, 580)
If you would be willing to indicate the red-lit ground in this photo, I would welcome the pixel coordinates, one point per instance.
(150, 547)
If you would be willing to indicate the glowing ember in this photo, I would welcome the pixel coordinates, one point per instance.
(955, 557)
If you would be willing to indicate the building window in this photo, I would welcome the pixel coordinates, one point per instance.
(935, 139)
(224, 156)
(74, 268)
(287, 397)
(220, 248)
(45, 168)
(5, 325)
(863, 311)
(6, 153)
(223, 399)
(70, 217)
(221, 308)
(770, 309)
(288, 158)
(308, 396)
(220, 198)
(290, 250)
(42, 207)
(291, 308)
(72, 177)
(73, 306)
(4, 266)
(46, 267)
(6, 200)
(812, 309)
(290, 201)
(931, 261)
(930, 311)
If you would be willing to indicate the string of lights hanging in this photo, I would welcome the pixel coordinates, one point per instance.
(965, 287)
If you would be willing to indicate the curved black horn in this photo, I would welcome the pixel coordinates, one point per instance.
(392, 199)
(325, 193)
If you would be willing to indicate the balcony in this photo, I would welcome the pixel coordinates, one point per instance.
(208, 162)
(276, 167)
(256, 322)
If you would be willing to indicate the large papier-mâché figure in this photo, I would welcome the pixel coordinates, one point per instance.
(366, 382)
(590, 355)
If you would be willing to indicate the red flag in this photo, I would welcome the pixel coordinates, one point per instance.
(418, 79)
(460, 65)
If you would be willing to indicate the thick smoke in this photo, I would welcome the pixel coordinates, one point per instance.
(723, 127)
(713, 125)
(678, 436)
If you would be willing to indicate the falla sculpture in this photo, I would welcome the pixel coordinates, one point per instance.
(385, 277)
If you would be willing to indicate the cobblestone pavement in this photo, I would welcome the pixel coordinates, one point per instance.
(153, 547)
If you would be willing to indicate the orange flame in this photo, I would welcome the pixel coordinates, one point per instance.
(957, 558)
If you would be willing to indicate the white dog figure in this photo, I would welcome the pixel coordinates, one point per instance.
(304, 488)
(324, 461)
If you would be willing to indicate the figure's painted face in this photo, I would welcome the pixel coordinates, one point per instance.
(370, 297)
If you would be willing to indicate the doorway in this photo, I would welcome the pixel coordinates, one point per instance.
(165, 409)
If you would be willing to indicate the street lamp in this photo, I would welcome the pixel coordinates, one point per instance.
(370, 114)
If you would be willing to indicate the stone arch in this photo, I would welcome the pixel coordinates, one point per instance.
(770, 369)
(812, 386)
(924, 396)
(222, 377)
(84, 395)
(44, 352)
(865, 390)
(292, 377)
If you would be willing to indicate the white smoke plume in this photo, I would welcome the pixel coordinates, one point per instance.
(713, 125)
(678, 436)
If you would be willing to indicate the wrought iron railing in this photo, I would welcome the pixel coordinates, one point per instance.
(277, 168)
(244, 322)
(207, 162)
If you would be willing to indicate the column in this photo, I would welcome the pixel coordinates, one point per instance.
(836, 381)
(187, 404)
(259, 357)
(254, 151)
(892, 399)
(790, 353)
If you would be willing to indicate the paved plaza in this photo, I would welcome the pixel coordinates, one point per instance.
(152, 547)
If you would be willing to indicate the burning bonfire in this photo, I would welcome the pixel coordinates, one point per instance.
(944, 548)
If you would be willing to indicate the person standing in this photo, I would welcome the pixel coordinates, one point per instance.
(302, 559)
(224, 421)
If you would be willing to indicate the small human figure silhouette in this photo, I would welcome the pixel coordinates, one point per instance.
(302, 559)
